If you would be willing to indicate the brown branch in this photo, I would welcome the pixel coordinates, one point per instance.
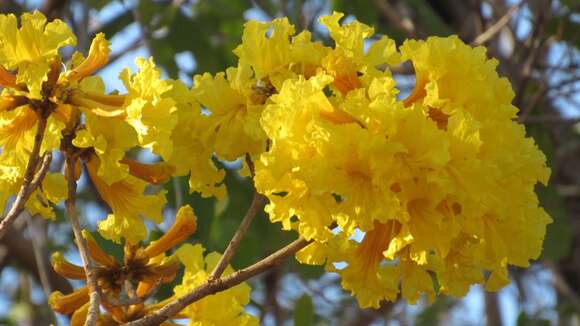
(495, 28)
(222, 284)
(257, 204)
(271, 282)
(38, 241)
(492, 312)
(400, 22)
(536, 43)
(30, 181)
(70, 203)
(52, 8)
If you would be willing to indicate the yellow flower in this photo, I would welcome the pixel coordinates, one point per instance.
(52, 192)
(32, 48)
(97, 58)
(17, 132)
(349, 59)
(40, 90)
(425, 179)
(152, 114)
(266, 54)
(191, 155)
(290, 123)
(223, 308)
(235, 105)
(146, 267)
(128, 203)
(110, 139)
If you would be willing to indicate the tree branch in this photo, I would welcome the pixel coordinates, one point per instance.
(30, 181)
(38, 240)
(398, 20)
(221, 284)
(257, 204)
(495, 28)
(70, 203)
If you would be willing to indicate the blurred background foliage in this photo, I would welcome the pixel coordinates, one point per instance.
(537, 44)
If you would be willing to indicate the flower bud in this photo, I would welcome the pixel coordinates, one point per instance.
(67, 304)
(185, 225)
(66, 269)
(98, 57)
(96, 252)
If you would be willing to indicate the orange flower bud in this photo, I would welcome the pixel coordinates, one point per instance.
(7, 79)
(79, 316)
(185, 225)
(67, 304)
(98, 57)
(96, 252)
(153, 173)
(66, 269)
(8, 103)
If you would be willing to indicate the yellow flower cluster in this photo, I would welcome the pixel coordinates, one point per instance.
(441, 183)
(125, 286)
(162, 116)
(427, 194)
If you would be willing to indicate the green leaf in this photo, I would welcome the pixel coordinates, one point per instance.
(98, 4)
(430, 315)
(566, 27)
(429, 17)
(203, 207)
(116, 24)
(364, 12)
(558, 238)
(303, 311)
(525, 320)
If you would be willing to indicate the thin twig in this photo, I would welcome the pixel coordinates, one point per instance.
(400, 21)
(562, 286)
(536, 43)
(495, 28)
(257, 204)
(37, 239)
(222, 284)
(27, 184)
(70, 203)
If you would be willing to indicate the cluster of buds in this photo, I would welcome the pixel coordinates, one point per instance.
(123, 286)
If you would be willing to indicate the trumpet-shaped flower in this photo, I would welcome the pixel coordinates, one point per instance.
(187, 138)
(145, 268)
(128, 203)
(152, 114)
(235, 105)
(32, 48)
